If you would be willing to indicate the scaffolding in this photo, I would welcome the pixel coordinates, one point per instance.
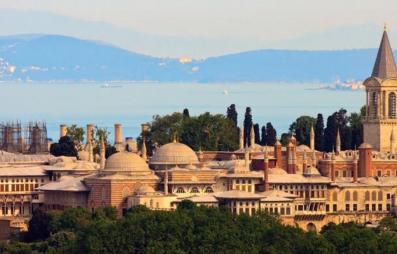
(31, 138)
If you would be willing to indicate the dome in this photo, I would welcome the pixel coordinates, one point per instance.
(174, 153)
(144, 189)
(311, 170)
(277, 171)
(126, 162)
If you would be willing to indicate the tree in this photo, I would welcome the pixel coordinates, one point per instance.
(186, 113)
(247, 126)
(77, 135)
(257, 135)
(263, 135)
(301, 127)
(101, 133)
(319, 133)
(232, 114)
(39, 226)
(355, 123)
(285, 137)
(271, 135)
(64, 147)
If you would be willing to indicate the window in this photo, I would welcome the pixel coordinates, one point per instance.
(380, 208)
(392, 105)
(373, 195)
(367, 196)
(347, 207)
(374, 104)
(379, 173)
(180, 190)
(347, 196)
(327, 208)
(288, 211)
(334, 196)
(380, 195)
(194, 190)
(373, 207)
(355, 196)
(366, 207)
(388, 207)
(334, 208)
(208, 190)
(354, 207)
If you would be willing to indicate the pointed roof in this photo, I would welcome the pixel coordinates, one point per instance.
(385, 66)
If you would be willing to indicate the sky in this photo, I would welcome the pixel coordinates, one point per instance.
(203, 28)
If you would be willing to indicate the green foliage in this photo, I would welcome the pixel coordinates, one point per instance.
(76, 134)
(64, 147)
(194, 229)
(247, 126)
(101, 133)
(206, 131)
(301, 128)
(231, 113)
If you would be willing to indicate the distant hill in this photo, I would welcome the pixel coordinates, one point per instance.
(61, 58)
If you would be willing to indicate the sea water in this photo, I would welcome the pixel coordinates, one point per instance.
(131, 104)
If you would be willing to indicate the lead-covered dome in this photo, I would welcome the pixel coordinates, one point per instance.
(126, 162)
(174, 153)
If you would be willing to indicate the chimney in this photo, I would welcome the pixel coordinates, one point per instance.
(365, 160)
(266, 172)
(62, 130)
(118, 136)
(312, 139)
(90, 132)
(333, 167)
(278, 154)
(355, 167)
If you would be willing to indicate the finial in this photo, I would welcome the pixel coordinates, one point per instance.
(385, 26)
(174, 139)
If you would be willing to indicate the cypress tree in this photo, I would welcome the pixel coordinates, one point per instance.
(257, 135)
(263, 135)
(231, 113)
(247, 126)
(271, 134)
(319, 133)
(186, 113)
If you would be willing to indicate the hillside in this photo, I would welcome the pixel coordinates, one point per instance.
(60, 58)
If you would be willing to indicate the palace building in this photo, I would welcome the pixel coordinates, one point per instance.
(305, 187)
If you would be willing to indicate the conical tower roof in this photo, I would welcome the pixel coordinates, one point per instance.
(385, 66)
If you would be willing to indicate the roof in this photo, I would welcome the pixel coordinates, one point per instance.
(19, 170)
(126, 163)
(238, 194)
(201, 199)
(384, 67)
(174, 153)
(66, 183)
(21, 158)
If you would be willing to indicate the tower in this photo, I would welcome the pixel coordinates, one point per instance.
(381, 91)
(338, 142)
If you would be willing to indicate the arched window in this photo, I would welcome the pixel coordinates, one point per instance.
(334, 196)
(208, 190)
(180, 190)
(355, 196)
(347, 196)
(374, 104)
(373, 195)
(380, 196)
(367, 196)
(392, 105)
(194, 190)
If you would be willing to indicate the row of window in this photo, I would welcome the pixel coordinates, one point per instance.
(18, 187)
(194, 190)
(353, 207)
(374, 196)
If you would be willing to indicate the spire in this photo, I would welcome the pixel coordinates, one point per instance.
(102, 154)
(312, 146)
(337, 143)
(385, 66)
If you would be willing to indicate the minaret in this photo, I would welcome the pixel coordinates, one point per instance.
(102, 154)
(392, 141)
(252, 136)
(337, 142)
(312, 138)
(242, 138)
(143, 150)
(266, 171)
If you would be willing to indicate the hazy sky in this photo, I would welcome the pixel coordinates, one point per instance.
(221, 25)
